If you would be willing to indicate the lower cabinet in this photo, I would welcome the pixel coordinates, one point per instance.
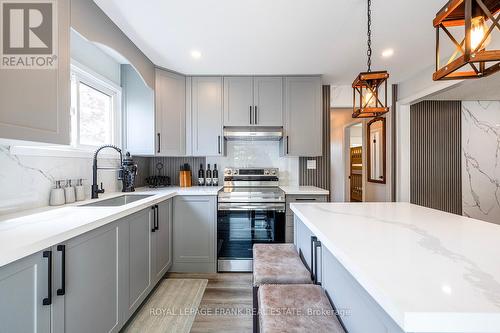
(24, 288)
(303, 241)
(194, 231)
(91, 283)
(162, 241)
(136, 265)
(86, 282)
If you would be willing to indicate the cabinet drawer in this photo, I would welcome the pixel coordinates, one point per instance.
(303, 199)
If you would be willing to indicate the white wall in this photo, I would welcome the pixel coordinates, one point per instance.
(88, 54)
(257, 154)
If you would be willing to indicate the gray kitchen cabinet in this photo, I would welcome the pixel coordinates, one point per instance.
(138, 113)
(303, 240)
(90, 302)
(170, 107)
(303, 117)
(138, 273)
(268, 101)
(253, 101)
(194, 234)
(306, 198)
(35, 103)
(23, 287)
(206, 106)
(162, 241)
(238, 101)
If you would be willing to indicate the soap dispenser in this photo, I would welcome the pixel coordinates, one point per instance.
(57, 195)
(80, 190)
(69, 192)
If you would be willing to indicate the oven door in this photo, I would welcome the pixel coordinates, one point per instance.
(240, 225)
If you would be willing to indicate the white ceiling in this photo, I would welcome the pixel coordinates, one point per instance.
(280, 36)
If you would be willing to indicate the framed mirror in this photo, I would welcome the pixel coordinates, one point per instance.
(376, 151)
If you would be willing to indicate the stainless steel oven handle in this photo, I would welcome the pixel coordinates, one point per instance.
(247, 206)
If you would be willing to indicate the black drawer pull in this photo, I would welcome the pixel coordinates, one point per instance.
(313, 240)
(157, 219)
(305, 199)
(61, 291)
(154, 219)
(48, 299)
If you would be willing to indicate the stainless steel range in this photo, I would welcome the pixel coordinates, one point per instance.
(251, 209)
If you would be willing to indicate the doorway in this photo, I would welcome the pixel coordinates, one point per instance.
(355, 178)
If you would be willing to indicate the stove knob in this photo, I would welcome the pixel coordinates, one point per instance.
(273, 172)
(266, 172)
(235, 172)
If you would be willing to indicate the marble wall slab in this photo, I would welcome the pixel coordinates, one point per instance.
(25, 181)
(481, 160)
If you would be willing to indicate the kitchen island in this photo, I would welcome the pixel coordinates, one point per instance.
(398, 267)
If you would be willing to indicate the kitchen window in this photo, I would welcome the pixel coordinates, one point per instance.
(95, 109)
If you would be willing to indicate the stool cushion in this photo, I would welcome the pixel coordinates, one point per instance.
(296, 308)
(278, 264)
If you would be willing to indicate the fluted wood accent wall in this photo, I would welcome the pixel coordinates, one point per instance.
(435, 156)
(321, 176)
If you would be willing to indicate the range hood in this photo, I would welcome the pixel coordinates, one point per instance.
(253, 133)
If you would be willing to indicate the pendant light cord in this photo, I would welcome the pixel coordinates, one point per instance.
(369, 33)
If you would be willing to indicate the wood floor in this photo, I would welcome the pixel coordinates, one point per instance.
(226, 305)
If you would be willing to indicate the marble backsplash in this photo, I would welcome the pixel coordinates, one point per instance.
(25, 181)
(245, 154)
(481, 160)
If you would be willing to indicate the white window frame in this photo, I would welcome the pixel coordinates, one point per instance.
(84, 75)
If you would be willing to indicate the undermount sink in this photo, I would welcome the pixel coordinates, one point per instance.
(118, 201)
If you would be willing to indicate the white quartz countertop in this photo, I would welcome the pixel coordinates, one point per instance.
(305, 190)
(26, 233)
(430, 271)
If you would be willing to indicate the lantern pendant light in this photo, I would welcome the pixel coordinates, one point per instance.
(367, 85)
(471, 58)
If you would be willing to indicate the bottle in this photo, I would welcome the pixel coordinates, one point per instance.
(57, 195)
(215, 176)
(201, 176)
(208, 176)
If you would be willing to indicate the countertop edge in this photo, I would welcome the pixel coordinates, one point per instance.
(8, 257)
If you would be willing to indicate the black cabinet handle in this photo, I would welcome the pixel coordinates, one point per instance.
(154, 219)
(317, 244)
(313, 240)
(218, 144)
(61, 291)
(251, 115)
(48, 299)
(159, 142)
(157, 219)
(305, 199)
(287, 140)
(255, 116)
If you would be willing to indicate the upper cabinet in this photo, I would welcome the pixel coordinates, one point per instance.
(303, 117)
(253, 101)
(139, 113)
(170, 102)
(206, 112)
(35, 102)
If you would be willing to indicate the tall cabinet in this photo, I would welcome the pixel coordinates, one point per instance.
(170, 106)
(206, 110)
(303, 121)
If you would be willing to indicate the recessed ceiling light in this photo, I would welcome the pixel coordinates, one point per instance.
(388, 53)
(196, 54)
